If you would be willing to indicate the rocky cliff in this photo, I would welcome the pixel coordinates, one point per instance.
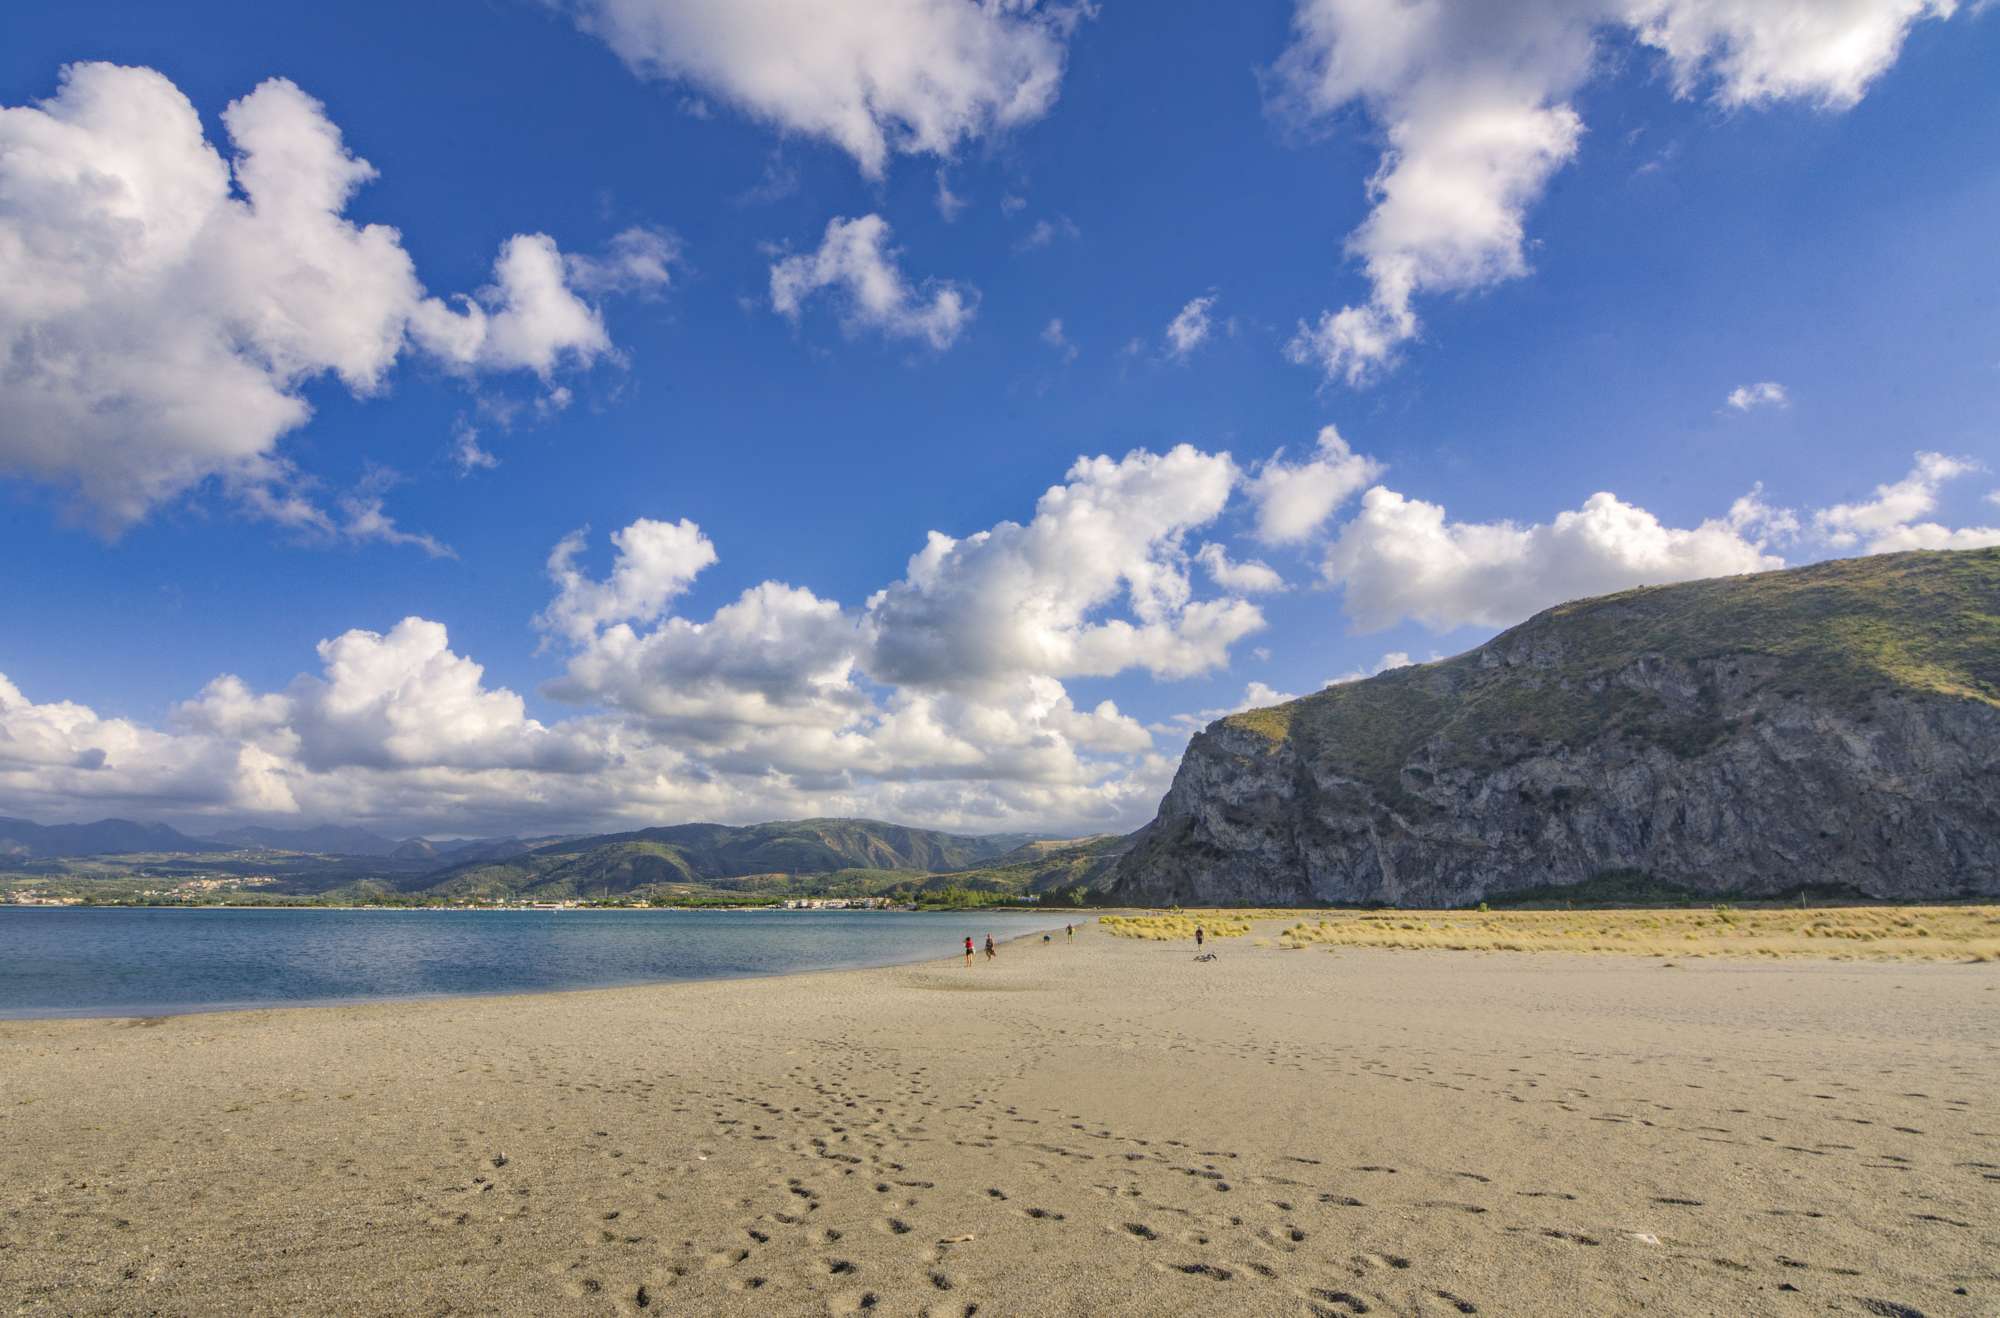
(1833, 727)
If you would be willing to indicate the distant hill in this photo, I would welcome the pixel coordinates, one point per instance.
(695, 856)
(1044, 866)
(1834, 727)
(322, 839)
(22, 839)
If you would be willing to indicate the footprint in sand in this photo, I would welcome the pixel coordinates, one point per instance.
(1345, 1301)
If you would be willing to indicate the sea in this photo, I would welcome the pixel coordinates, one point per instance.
(135, 961)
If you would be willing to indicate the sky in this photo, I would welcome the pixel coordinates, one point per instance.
(502, 416)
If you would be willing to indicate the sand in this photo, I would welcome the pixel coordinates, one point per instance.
(1108, 1127)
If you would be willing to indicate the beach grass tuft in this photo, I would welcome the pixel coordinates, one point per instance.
(1889, 933)
(1172, 928)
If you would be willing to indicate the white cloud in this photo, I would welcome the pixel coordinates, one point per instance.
(1400, 558)
(1765, 393)
(1253, 577)
(1823, 51)
(911, 76)
(655, 562)
(1889, 522)
(1190, 326)
(1392, 660)
(363, 521)
(640, 259)
(949, 204)
(1027, 599)
(1295, 499)
(1044, 233)
(466, 452)
(854, 260)
(950, 677)
(1257, 695)
(1474, 101)
(1054, 335)
(528, 318)
(162, 308)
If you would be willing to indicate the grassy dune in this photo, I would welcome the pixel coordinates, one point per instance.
(1889, 933)
(1172, 928)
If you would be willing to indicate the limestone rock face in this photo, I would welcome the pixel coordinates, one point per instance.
(1832, 727)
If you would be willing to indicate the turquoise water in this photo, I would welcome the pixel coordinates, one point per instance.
(70, 961)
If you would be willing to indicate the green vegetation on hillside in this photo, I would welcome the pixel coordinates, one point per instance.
(1847, 631)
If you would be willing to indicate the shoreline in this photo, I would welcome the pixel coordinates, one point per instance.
(1107, 1127)
(174, 1011)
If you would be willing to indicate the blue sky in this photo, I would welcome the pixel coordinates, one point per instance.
(1638, 209)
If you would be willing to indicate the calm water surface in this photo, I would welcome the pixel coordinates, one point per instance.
(69, 961)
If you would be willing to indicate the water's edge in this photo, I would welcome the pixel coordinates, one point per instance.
(1007, 931)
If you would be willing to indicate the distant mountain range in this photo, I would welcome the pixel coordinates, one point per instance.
(687, 859)
(715, 857)
(22, 839)
(327, 839)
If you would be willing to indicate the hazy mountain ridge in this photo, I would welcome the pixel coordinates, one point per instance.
(23, 839)
(1834, 725)
(711, 856)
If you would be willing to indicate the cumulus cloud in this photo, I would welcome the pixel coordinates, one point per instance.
(940, 698)
(1765, 393)
(1890, 521)
(1402, 558)
(1029, 598)
(162, 307)
(1294, 500)
(1250, 577)
(1825, 52)
(854, 261)
(1474, 102)
(1190, 326)
(655, 562)
(528, 318)
(909, 76)
(954, 674)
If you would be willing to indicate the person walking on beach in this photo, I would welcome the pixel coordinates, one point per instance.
(1069, 932)
(989, 947)
(968, 949)
(1197, 938)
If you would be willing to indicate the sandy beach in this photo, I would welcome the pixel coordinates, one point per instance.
(1106, 1127)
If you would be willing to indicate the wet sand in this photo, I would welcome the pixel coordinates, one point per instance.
(1107, 1127)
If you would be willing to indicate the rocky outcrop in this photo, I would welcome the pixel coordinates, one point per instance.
(1834, 727)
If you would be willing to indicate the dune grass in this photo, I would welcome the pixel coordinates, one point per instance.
(1172, 928)
(1885, 933)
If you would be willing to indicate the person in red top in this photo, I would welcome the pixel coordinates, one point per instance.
(968, 949)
